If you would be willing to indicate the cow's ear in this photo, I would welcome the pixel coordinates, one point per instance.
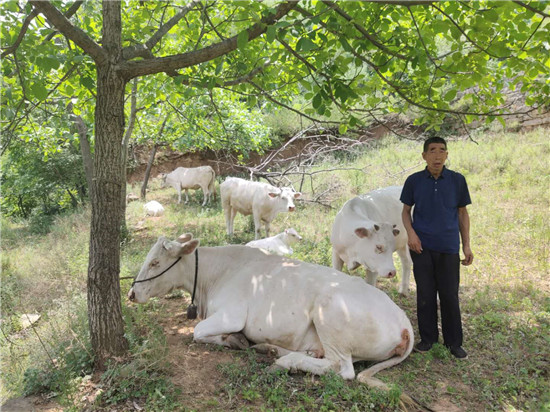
(186, 237)
(363, 232)
(189, 247)
(297, 195)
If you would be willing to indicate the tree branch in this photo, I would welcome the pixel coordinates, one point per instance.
(534, 10)
(131, 69)
(146, 50)
(362, 30)
(74, 33)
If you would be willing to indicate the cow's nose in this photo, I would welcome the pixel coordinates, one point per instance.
(391, 274)
(131, 295)
(291, 208)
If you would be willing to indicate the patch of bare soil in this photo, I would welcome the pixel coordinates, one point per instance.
(30, 404)
(194, 366)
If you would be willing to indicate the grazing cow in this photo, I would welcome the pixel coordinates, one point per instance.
(153, 208)
(261, 200)
(278, 244)
(313, 318)
(185, 178)
(367, 230)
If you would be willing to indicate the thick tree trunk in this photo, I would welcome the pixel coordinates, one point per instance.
(104, 300)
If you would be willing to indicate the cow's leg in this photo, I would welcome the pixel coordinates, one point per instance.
(406, 265)
(204, 194)
(337, 263)
(257, 226)
(179, 194)
(267, 228)
(223, 329)
(277, 351)
(371, 278)
(297, 361)
(186, 195)
(232, 214)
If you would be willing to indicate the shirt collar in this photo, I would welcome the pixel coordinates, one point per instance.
(444, 172)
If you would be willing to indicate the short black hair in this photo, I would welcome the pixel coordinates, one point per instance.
(434, 139)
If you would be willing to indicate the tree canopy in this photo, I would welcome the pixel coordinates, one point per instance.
(345, 63)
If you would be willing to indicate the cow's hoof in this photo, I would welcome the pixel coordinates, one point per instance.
(266, 349)
(236, 341)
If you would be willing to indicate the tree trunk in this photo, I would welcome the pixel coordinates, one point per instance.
(148, 172)
(104, 300)
(85, 151)
(151, 160)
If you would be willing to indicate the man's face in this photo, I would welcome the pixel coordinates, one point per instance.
(435, 157)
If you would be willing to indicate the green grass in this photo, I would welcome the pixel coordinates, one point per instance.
(505, 294)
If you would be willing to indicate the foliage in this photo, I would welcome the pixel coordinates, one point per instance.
(33, 186)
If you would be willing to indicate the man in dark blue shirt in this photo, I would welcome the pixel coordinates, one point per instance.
(439, 219)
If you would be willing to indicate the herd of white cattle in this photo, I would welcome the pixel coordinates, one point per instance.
(313, 318)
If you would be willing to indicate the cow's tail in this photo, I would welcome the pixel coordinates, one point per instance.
(402, 351)
(212, 185)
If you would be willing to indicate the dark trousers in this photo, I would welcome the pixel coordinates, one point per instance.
(438, 273)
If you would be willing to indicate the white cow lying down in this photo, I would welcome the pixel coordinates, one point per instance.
(367, 230)
(292, 308)
(278, 244)
(153, 208)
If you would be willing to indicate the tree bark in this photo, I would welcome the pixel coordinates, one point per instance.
(126, 140)
(104, 300)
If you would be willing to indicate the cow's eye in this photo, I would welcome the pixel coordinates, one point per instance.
(154, 264)
(380, 249)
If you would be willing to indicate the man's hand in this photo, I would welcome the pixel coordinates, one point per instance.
(414, 243)
(468, 256)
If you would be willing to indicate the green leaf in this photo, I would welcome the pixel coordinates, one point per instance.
(450, 95)
(317, 101)
(270, 34)
(242, 39)
(305, 44)
(343, 128)
(39, 91)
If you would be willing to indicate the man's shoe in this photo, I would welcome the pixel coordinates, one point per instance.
(423, 346)
(458, 352)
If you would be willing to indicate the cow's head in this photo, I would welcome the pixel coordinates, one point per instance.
(163, 269)
(162, 177)
(374, 249)
(292, 236)
(283, 198)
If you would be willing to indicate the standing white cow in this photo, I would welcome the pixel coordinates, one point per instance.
(367, 230)
(185, 178)
(261, 200)
(278, 244)
(315, 318)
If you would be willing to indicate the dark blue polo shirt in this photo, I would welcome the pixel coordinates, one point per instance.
(436, 203)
